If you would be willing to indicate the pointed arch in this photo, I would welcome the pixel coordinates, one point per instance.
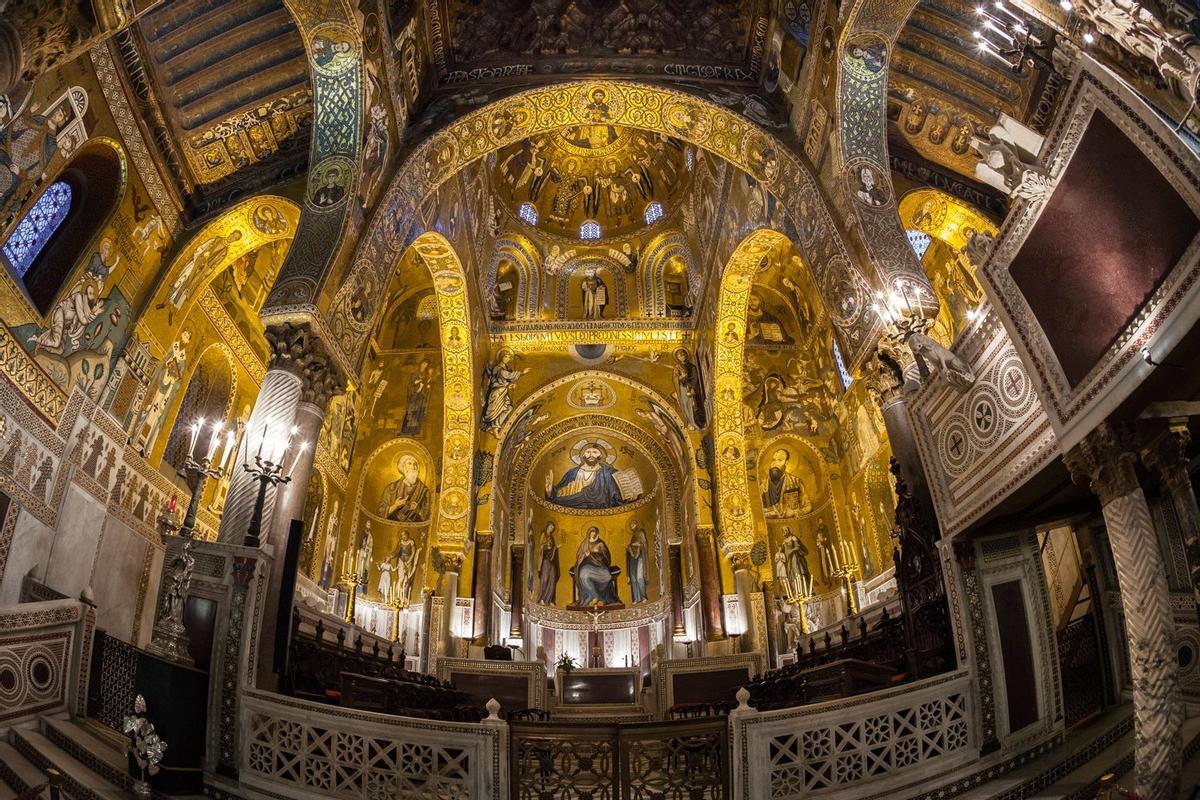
(735, 518)
(242, 229)
(524, 255)
(654, 260)
(696, 121)
(456, 500)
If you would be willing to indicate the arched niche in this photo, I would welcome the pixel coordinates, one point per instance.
(570, 281)
(531, 506)
(950, 224)
(211, 388)
(96, 177)
(669, 273)
(514, 278)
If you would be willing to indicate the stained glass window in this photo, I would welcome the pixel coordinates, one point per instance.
(589, 230)
(654, 212)
(528, 213)
(846, 377)
(32, 232)
(920, 242)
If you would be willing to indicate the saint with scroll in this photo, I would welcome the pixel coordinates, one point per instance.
(592, 483)
(406, 499)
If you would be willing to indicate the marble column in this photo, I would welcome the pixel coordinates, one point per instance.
(890, 377)
(516, 598)
(481, 624)
(1167, 455)
(746, 584)
(710, 585)
(675, 562)
(1104, 462)
(300, 374)
(964, 554)
(449, 592)
(294, 392)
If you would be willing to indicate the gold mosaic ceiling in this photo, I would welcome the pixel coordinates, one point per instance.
(603, 173)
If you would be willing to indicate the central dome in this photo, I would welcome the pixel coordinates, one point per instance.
(592, 181)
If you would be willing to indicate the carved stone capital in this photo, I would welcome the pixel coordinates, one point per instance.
(452, 562)
(484, 541)
(300, 351)
(740, 561)
(1166, 454)
(884, 373)
(964, 554)
(1104, 462)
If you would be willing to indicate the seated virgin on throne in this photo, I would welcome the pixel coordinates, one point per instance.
(594, 575)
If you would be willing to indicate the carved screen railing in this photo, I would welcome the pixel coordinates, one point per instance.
(298, 749)
(578, 760)
(45, 649)
(874, 744)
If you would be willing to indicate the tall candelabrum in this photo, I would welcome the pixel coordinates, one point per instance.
(796, 593)
(198, 468)
(350, 580)
(398, 602)
(1005, 34)
(270, 468)
(846, 568)
(170, 639)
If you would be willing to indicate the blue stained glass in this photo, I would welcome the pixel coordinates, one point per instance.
(846, 377)
(920, 242)
(589, 230)
(37, 226)
(654, 213)
(528, 213)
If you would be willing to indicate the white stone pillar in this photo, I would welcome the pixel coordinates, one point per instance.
(1105, 463)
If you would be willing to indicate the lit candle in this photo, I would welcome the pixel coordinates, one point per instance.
(230, 441)
(171, 505)
(262, 442)
(214, 441)
(195, 436)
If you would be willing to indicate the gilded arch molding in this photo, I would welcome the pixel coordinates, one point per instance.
(456, 500)
(691, 119)
(735, 517)
(242, 229)
(338, 100)
(862, 148)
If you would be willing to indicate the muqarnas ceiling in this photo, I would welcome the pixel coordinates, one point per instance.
(707, 39)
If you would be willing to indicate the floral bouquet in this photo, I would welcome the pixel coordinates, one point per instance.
(144, 743)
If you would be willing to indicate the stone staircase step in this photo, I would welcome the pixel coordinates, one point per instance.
(17, 773)
(78, 780)
(85, 746)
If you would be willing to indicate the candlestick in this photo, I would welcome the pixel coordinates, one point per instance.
(195, 437)
(214, 440)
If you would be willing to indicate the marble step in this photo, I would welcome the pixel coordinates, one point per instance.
(17, 773)
(79, 782)
(86, 746)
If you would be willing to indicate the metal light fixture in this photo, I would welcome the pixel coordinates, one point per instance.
(1005, 34)
(270, 469)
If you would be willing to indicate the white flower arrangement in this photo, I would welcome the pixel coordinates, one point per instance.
(144, 743)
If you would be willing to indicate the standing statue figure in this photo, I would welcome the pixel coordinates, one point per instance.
(1173, 51)
(404, 560)
(149, 422)
(175, 596)
(825, 552)
(635, 561)
(498, 380)
(595, 295)
(548, 568)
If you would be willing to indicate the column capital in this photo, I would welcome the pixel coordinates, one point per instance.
(1166, 454)
(884, 371)
(484, 540)
(740, 561)
(452, 562)
(297, 349)
(964, 554)
(1104, 462)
